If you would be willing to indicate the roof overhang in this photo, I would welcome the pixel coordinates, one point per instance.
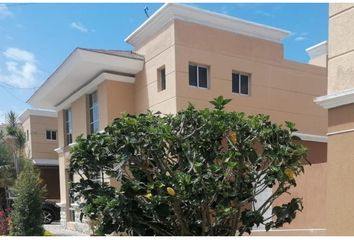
(36, 112)
(171, 11)
(317, 50)
(81, 69)
(336, 99)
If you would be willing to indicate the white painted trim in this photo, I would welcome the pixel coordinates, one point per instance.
(36, 112)
(46, 162)
(59, 150)
(317, 50)
(92, 86)
(311, 137)
(336, 99)
(340, 132)
(171, 11)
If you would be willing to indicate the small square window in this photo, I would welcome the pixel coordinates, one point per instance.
(161, 79)
(240, 83)
(198, 76)
(51, 135)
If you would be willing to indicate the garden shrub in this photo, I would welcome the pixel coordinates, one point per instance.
(26, 215)
(198, 172)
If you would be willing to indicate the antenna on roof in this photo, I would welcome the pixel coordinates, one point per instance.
(146, 9)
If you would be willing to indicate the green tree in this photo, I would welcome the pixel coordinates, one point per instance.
(16, 139)
(198, 172)
(27, 208)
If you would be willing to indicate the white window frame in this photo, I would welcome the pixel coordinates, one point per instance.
(207, 73)
(51, 135)
(159, 78)
(239, 83)
(91, 108)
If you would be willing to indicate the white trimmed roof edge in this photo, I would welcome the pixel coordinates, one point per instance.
(36, 112)
(171, 11)
(317, 50)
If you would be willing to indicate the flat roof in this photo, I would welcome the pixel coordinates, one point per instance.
(171, 11)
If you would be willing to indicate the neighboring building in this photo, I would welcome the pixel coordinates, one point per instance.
(183, 54)
(340, 104)
(40, 127)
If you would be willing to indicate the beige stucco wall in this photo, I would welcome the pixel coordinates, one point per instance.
(280, 88)
(311, 187)
(340, 47)
(340, 192)
(158, 52)
(340, 184)
(79, 116)
(114, 98)
(41, 148)
(320, 61)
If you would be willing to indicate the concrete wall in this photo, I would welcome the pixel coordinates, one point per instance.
(280, 88)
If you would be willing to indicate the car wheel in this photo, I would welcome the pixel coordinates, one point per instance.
(48, 216)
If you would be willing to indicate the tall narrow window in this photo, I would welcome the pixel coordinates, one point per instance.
(240, 83)
(68, 127)
(162, 79)
(198, 76)
(94, 112)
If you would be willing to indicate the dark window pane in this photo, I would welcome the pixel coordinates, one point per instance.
(235, 83)
(54, 135)
(193, 75)
(49, 135)
(203, 77)
(244, 84)
(163, 79)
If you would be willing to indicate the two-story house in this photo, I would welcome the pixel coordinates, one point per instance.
(182, 54)
(40, 127)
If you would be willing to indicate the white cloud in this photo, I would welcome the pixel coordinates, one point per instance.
(19, 55)
(79, 26)
(301, 37)
(21, 68)
(4, 11)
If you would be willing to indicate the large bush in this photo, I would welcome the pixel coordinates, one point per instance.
(26, 215)
(198, 172)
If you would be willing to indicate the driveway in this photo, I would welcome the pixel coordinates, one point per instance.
(58, 230)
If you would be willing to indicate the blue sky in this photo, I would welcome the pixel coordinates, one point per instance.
(36, 38)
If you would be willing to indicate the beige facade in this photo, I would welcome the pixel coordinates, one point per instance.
(340, 105)
(41, 129)
(129, 82)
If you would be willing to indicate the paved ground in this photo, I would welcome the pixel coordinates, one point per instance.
(58, 230)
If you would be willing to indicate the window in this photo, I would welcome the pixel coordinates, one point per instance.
(198, 76)
(68, 127)
(240, 83)
(162, 79)
(27, 135)
(51, 135)
(94, 114)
